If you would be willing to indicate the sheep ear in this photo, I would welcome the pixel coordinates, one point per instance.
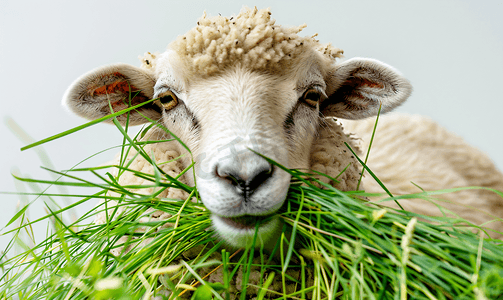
(118, 86)
(357, 87)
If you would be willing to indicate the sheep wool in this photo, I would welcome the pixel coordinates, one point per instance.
(251, 38)
(330, 156)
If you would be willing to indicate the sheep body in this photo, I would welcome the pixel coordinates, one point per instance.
(411, 149)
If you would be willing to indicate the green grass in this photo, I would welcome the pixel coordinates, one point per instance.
(334, 245)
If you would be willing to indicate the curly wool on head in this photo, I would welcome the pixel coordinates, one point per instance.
(251, 38)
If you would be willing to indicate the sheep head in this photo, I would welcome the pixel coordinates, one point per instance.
(232, 85)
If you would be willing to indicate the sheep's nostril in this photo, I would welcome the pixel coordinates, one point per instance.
(235, 180)
(230, 176)
(260, 177)
(245, 182)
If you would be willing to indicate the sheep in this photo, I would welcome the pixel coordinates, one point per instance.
(231, 85)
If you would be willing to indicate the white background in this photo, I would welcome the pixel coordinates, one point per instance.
(452, 52)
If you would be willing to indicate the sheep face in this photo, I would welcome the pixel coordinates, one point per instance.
(229, 116)
(225, 116)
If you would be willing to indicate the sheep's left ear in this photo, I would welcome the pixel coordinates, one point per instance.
(357, 87)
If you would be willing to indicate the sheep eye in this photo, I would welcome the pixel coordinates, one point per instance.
(312, 96)
(168, 100)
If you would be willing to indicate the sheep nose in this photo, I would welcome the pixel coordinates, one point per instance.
(246, 182)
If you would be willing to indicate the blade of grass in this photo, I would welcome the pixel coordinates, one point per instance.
(83, 126)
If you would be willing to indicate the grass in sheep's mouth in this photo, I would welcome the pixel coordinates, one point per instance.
(346, 247)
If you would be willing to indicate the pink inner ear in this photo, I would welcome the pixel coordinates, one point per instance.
(116, 87)
(357, 82)
(118, 92)
(119, 85)
(351, 89)
(365, 82)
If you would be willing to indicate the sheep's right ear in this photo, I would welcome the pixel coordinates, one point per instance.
(117, 87)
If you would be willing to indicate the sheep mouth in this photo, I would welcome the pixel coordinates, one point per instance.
(246, 221)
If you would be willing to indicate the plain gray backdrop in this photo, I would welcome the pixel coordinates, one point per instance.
(451, 51)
